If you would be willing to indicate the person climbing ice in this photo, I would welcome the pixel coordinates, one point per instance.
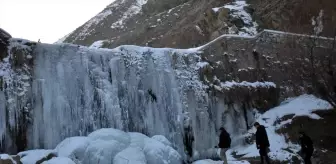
(153, 96)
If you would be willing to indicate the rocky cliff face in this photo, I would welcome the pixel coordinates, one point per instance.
(283, 58)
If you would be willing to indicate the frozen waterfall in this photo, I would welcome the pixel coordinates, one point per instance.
(78, 90)
(71, 90)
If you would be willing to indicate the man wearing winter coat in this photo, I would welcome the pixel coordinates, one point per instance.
(224, 144)
(307, 147)
(262, 142)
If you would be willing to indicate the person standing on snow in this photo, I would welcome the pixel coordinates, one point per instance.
(262, 142)
(307, 147)
(224, 144)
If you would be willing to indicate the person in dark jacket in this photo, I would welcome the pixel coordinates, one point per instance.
(153, 96)
(188, 140)
(224, 144)
(307, 147)
(262, 142)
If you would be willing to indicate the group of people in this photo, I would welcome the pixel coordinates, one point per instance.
(263, 144)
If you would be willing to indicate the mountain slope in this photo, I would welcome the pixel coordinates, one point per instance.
(189, 23)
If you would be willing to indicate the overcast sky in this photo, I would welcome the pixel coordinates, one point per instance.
(48, 20)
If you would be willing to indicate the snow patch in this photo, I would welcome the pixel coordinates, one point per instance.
(229, 85)
(303, 105)
(97, 44)
(202, 64)
(133, 10)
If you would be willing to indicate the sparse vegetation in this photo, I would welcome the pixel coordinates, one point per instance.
(323, 64)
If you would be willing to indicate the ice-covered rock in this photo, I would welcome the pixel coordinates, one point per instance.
(36, 156)
(102, 151)
(110, 134)
(162, 139)
(132, 155)
(107, 146)
(157, 152)
(59, 160)
(72, 147)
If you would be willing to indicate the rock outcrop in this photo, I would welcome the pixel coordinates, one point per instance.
(4, 36)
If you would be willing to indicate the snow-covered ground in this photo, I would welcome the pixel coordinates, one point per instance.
(230, 159)
(300, 106)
